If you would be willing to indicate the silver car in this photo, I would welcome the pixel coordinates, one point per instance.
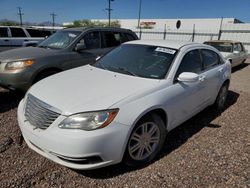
(233, 51)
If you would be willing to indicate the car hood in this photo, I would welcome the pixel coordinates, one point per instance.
(88, 89)
(25, 53)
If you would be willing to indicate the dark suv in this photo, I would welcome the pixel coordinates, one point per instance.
(66, 49)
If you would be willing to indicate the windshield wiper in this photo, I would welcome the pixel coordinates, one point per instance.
(126, 71)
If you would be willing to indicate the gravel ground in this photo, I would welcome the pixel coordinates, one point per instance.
(209, 150)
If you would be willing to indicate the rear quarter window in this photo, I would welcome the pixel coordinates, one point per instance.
(17, 32)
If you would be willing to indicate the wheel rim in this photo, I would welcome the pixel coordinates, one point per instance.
(144, 141)
(222, 97)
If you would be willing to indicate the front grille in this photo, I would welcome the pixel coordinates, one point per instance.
(40, 114)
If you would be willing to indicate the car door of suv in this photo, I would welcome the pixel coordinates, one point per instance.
(92, 41)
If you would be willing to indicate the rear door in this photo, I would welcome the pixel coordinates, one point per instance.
(188, 98)
(212, 73)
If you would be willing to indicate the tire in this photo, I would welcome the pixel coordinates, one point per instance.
(145, 141)
(44, 75)
(221, 98)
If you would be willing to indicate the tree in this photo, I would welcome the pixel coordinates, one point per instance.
(89, 23)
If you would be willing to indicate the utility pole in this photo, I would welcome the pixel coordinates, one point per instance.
(139, 17)
(20, 15)
(53, 19)
(109, 10)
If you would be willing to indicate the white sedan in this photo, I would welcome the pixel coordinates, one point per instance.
(122, 107)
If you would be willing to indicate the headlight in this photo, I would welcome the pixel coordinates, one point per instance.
(16, 65)
(89, 121)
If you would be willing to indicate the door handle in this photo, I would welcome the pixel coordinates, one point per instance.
(26, 40)
(220, 70)
(6, 40)
(202, 78)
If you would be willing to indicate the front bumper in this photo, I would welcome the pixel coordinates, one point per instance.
(76, 149)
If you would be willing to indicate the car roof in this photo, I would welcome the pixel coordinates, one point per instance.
(163, 43)
(219, 41)
(97, 28)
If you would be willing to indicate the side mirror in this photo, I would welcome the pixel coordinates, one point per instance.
(80, 46)
(188, 77)
(236, 52)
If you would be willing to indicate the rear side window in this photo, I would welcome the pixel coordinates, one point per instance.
(17, 32)
(209, 58)
(38, 33)
(190, 63)
(112, 39)
(3, 32)
(34, 32)
(92, 40)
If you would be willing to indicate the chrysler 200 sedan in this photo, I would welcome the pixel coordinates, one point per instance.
(121, 108)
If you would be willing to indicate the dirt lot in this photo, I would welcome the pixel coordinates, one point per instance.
(209, 150)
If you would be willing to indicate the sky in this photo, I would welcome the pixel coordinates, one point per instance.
(70, 10)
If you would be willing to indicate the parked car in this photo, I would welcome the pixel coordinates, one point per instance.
(122, 107)
(234, 51)
(66, 49)
(13, 36)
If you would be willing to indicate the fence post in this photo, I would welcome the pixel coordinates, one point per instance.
(220, 28)
(193, 33)
(140, 33)
(165, 32)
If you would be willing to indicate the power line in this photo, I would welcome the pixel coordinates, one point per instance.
(20, 15)
(53, 19)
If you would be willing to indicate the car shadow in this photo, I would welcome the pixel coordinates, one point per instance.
(240, 67)
(175, 139)
(9, 100)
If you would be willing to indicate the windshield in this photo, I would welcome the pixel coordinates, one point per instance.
(59, 40)
(221, 46)
(138, 60)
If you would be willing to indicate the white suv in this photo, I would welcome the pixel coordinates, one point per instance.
(122, 107)
(13, 36)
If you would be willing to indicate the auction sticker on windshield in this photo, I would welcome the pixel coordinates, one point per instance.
(165, 50)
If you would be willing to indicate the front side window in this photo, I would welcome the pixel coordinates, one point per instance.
(3, 32)
(17, 32)
(191, 62)
(209, 58)
(92, 40)
(60, 39)
(138, 60)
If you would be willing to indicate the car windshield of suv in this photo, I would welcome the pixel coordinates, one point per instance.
(138, 60)
(221, 46)
(59, 40)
